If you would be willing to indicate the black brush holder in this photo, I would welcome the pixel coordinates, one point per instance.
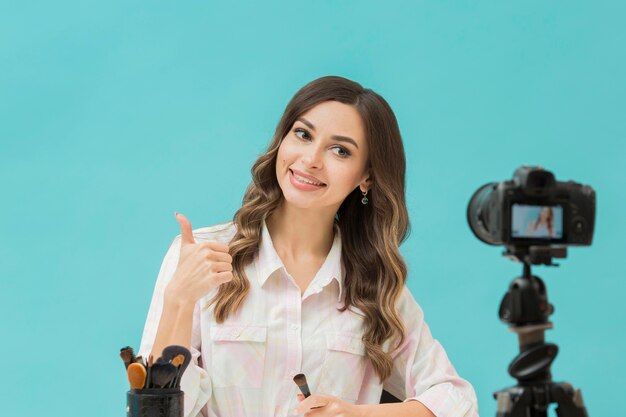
(154, 402)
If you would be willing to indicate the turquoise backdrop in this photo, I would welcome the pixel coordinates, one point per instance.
(115, 114)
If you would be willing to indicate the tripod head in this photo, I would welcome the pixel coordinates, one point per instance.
(526, 301)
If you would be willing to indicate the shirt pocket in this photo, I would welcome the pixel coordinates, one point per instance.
(237, 355)
(344, 366)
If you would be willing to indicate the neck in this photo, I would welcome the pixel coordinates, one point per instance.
(299, 234)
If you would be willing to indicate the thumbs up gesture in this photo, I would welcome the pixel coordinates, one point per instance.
(201, 267)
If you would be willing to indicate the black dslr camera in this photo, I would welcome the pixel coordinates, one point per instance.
(533, 209)
(535, 218)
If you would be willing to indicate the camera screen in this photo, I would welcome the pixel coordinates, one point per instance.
(537, 222)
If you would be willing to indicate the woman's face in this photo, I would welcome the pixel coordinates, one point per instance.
(326, 143)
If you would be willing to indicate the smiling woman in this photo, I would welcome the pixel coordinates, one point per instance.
(308, 278)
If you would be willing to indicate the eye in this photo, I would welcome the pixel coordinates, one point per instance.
(343, 152)
(298, 130)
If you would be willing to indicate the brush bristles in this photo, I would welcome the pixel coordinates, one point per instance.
(140, 373)
(127, 356)
(300, 380)
(136, 375)
(178, 360)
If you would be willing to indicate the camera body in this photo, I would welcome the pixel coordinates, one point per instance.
(533, 209)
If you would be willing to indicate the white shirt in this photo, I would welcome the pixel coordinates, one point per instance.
(245, 366)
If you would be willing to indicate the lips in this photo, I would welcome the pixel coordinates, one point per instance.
(308, 177)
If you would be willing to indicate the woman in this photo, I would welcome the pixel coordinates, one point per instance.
(543, 225)
(308, 278)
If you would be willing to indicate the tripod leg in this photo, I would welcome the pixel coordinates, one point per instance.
(570, 401)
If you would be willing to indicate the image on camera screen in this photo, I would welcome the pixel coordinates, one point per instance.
(537, 222)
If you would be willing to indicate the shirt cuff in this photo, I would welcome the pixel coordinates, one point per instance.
(444, 400)
(196, 386)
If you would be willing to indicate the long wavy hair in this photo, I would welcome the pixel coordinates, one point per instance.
(549, 220)
(375, 272)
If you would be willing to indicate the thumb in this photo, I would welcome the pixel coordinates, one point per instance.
(186, 236)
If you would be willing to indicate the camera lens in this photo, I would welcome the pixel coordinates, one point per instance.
(480, 214)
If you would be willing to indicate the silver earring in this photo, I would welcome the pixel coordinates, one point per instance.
(364, 200)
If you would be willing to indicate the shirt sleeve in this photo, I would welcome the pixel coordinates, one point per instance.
(195, 382)
(422, 371)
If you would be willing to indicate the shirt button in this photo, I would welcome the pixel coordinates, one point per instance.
(294, 327)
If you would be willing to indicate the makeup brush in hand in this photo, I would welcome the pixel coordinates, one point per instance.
(300, 381)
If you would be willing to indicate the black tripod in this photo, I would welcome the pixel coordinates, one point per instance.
(525, 307)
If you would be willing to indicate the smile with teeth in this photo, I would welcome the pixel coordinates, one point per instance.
(306, 180)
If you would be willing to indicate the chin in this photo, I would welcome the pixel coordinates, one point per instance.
(301, 203)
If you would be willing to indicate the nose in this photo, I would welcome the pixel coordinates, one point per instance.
(313, 157)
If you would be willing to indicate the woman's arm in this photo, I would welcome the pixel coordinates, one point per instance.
(407, 409)
(324, 405)
(169, 323)
(422, 371)
(201, 268)
(174, 325)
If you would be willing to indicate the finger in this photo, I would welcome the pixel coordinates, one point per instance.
(320, 412)
(218, 246)
(300, 397)
(186, 236)
(217, 251)
(221, 266)
(310, 403)
(223, 277)
(219, 257)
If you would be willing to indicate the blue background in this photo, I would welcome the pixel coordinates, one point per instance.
(115, 114)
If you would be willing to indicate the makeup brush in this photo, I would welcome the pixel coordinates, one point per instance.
(177, 361)
(300, 381)
(136, 375)
(127, 355)
(170, 352)
(163, 374)
(148, 379)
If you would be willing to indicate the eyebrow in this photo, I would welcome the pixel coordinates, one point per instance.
(335, 137)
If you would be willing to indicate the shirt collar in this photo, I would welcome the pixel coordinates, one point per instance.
(269, 261)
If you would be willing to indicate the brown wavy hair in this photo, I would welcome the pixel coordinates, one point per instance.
(549, 221)
(375, 272)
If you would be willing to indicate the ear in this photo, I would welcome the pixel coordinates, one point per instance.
(366, 183)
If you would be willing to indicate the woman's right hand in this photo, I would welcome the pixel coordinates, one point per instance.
(201, 267)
